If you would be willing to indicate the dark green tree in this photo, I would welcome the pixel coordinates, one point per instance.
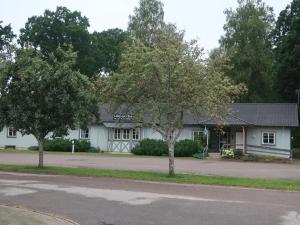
(62, 27)
(41, 96)
(247, 43)
(106, 48)
(6, 38)
(287, 52)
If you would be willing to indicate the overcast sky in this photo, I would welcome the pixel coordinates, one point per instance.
(201, 19)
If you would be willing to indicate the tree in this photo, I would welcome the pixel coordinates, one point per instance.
(41, 96)
(147, 20)
(165, 82)
(60, 28)
(247, 43)
(106, 48)
(6, 38)
(286, 41)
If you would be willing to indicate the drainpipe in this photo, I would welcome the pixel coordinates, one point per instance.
(244, 140)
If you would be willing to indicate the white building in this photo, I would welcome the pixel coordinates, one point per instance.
(257, 128)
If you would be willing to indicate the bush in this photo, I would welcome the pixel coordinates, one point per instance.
(251, 157)
(228, 153)
(200, 155)
(185, 148)
(296, 153)
(151, 147)
(65, 145)
(238, 153)
(33, 148)
(154, 147)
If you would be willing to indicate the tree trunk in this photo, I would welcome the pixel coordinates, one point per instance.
(171, 159)
(41, 153)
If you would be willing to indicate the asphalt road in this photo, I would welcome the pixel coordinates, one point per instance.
(99, 201)
(203, 167)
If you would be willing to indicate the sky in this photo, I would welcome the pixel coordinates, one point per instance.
(201, 19)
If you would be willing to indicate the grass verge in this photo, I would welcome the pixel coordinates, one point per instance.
(288, 185)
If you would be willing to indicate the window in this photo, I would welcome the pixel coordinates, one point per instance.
(135, 134)
(84, 134)
(268, 138)
(117, 133)
(11, 132)
(126, 133)
(197, 135)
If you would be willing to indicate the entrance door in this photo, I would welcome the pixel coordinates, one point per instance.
(224, 140)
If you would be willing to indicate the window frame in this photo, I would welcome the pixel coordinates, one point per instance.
(14, 132)
(268, 138)
(86, 131)
(197, 131)
(127, 133)
(119, 135)
(135, 134)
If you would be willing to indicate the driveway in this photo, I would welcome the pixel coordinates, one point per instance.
(103, 201)
(203, 167)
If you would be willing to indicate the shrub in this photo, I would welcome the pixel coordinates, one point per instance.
(185, 148)
(65, 145)
(251, 157)
(296, 153)
(154, 147)
(238, 153)
(228, 153)
(33, 148)
(200, 155)
(151, 147)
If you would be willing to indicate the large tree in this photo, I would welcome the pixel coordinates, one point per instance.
(41, 96)
(6, 38)
(147, 20)
(287, 52)
(61, 27)
(106, 50)
(167, 81)
(247, 43)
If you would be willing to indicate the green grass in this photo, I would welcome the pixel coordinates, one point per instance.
(288, 185)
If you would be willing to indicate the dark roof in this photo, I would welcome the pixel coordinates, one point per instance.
(247, 114)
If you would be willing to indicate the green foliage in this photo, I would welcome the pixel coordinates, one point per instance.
(62, 27)
(65, 145)
(106, 49)
(228, 153)
(238, 153)
(296, 138)
(151, 147)
(286, 39)
(296, 153)
(251, 157)
(200, 155)
(6, 38)
(147, 21)
(33, 148)
(185, 148)
(247, 43)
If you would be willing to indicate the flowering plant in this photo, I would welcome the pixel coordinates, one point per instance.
(228, 153)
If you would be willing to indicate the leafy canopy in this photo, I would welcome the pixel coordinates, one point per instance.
(40, 96)
(287, 52)
(247, 43)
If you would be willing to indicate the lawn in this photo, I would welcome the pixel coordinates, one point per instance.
(287, 185)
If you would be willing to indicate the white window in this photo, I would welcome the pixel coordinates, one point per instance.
(135, 134)
(117, 133)
(84, 134)
(197, 135)
(268, 138)
(126, 134)
(11, 132)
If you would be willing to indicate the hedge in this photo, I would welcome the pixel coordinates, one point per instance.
(152, 147)
(65, 145)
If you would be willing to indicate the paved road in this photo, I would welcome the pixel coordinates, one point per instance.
(99, 201)
(206, 167)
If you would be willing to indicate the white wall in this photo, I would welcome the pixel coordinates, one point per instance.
(19, 141)
(282, 144)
